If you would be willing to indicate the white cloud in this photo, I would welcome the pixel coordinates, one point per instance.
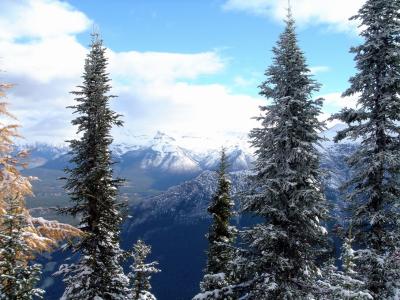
(335, 102)
(39, 19)
(151, 66)
(155, 89)
(39, 53)
(187, 108)
(244, 82)
(45, 61)
(319, 69)
(335, 13)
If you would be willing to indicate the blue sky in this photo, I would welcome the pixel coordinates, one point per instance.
(179, 66)
(242, 38)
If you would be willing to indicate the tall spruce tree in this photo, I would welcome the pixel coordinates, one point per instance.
(141, 272)
(93, 190)
(374, 189)
(218, 274)
(286, 187)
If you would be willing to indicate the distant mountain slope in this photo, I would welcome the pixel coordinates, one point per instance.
(40, 154)
(169, 189)
(150, 167)
(154, 164)
(187, 201)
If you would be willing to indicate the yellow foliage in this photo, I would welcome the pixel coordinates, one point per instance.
(40, 234)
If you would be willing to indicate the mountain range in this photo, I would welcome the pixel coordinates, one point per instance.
(170, 181)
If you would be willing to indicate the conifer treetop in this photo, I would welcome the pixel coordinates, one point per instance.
(93, 189)
(141, 272)
(219, 278)
(374, 187)
(286, 188)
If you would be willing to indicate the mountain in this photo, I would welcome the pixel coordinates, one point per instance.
(174, 223)
(154, 164)
(40, 154)
(162, 154)
(169, 187)
(187, 201)
(238, 159)
(150, 166)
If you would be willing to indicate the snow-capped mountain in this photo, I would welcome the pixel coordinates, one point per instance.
(190, 198)
(182, 154)
(178, 154)
(40, 154)
(170, 183)
(238, 159)
(164, 153)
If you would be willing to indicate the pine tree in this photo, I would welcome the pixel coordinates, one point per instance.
(346, 284)
(218, 274)
(93, 190)
(374, 189)
(340, 285)
(348, 257)
(141, 272)
(286, 187)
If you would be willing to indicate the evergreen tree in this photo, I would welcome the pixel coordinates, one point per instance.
(93, 190)
(340, 285)
(18, 278)
(287, 191)
(218, 274)
(374, 189)
(348, 257)
(141, 272)
(346, 284)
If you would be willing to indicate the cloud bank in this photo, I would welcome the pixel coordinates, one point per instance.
(335, 14)
(40, 53)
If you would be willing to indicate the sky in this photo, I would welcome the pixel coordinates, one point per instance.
(187, 67)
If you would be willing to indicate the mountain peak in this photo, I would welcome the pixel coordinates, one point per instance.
(163, 138)
(163, 143)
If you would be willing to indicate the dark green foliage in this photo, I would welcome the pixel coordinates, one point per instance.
(221, 235)
(141, 272)
(374, 189)
(286, 187)
(93, 189)
(219, 273)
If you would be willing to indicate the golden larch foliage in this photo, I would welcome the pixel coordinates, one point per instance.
(39, 234)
